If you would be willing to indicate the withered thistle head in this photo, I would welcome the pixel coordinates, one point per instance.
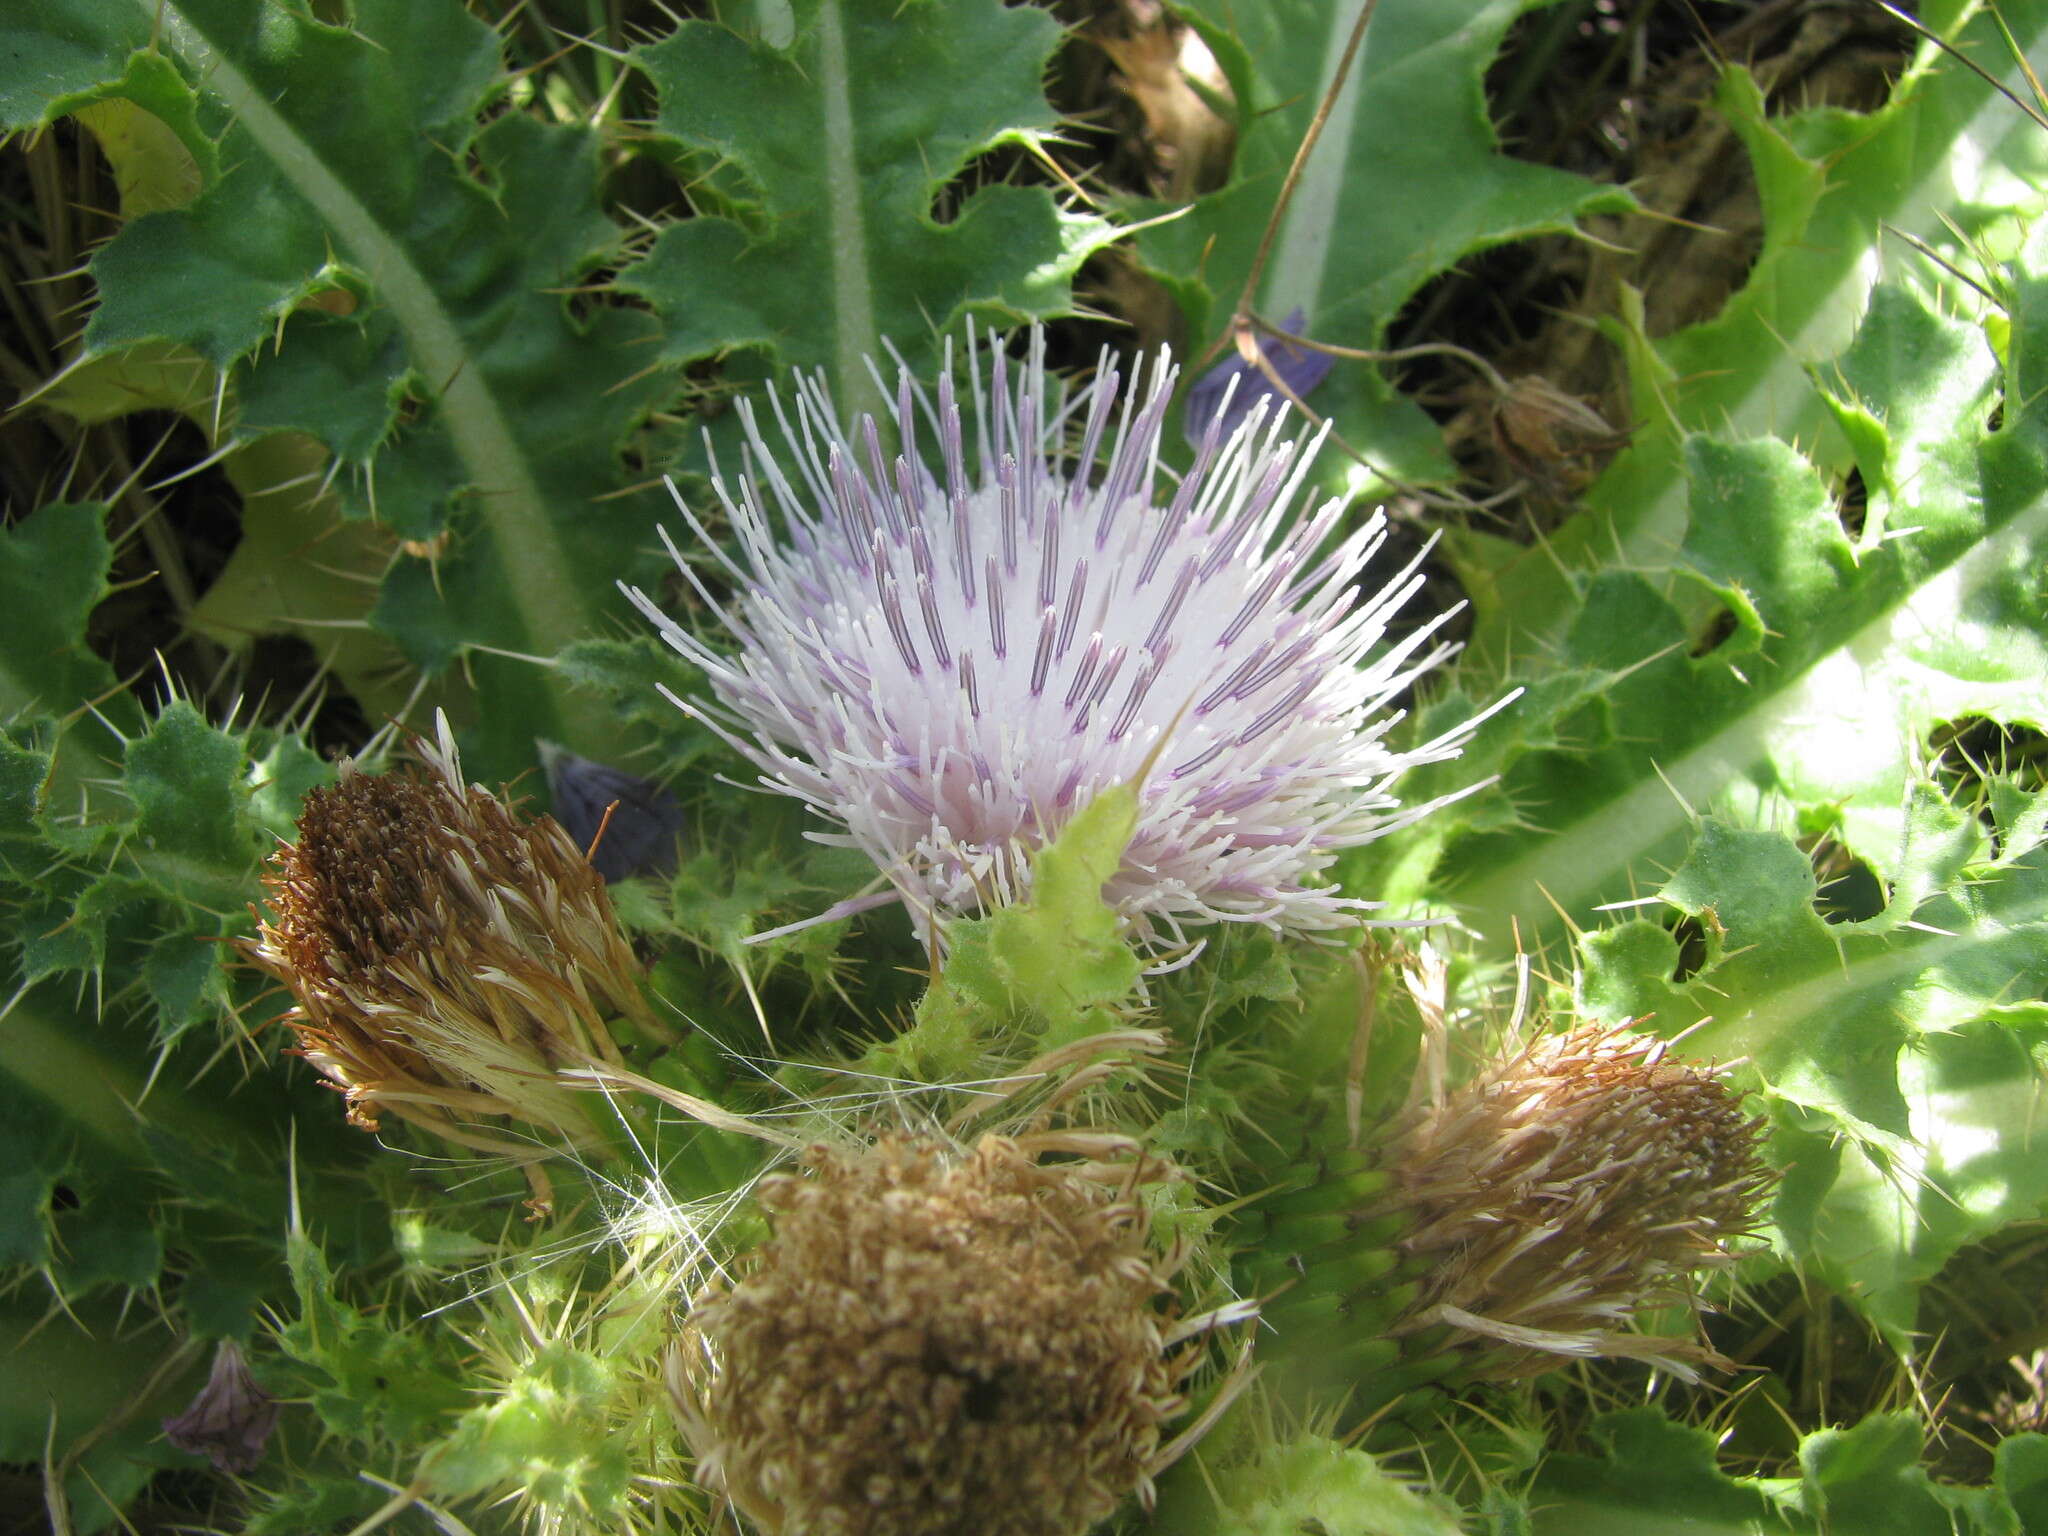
(937, 1340)
(447, 959)
(1567, 1189)
(231, 1419)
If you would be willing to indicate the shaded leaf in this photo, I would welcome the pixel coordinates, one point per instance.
(838, 145)
(1407, 180)
(1903, 1055)
(351, 158)
(1829, 181)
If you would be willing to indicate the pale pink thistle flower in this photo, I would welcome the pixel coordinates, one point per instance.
(949, 667)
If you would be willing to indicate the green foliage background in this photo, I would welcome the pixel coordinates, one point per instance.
(443, 309)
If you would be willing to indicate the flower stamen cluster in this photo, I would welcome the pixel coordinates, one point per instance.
(947, 666)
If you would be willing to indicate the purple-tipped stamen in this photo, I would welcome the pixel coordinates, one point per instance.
(948, 666)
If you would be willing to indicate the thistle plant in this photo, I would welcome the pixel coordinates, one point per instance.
(1586, 1181)
(355, 344)
(941, 1338)
(1572, 1193)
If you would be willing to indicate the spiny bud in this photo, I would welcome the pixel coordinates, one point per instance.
(1538, 1211)
(938, 1340)
(1568, 1189)
(447, 959)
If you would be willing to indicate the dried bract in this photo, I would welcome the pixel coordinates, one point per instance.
(231, 1420)
(1562, 1192)
(446, 959)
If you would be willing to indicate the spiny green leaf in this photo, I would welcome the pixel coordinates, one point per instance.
(1308, 1485)
(91, 1389)
(125, 1182)
(183, 851)
(34, 1150)
(24, 773)
(378, 1382)
(1900, 1050)
(155, 166)
(182, 979)
(1830, 181)
(1407, 180)
(109, 1238)
(324, 116)
(66, 60)
(1057, 959)
(1054, 965)
(1650, 1476)
(278, 782)
(547, 1432)
(839, 143)
(632, 674)
(723, 906)
(315, 1503)
(2022, 1479)
(1840, 663)
(53, 573)
(1869, 1479)
(225, 1287)
(192, 832)
(346, 157)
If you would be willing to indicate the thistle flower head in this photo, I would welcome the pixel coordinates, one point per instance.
(936, 1340)
(1585, 1180)
(445, 958)
(948, 662)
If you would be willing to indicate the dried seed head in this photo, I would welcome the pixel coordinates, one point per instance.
(936, 1341)
(1549, 436)
(1565, 1190)
(446, 958)
(231, 1419)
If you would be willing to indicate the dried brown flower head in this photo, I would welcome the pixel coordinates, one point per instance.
(447, 959)
(231, 1419)
(939, 1340)
(1550, 437)
(1565, 1190)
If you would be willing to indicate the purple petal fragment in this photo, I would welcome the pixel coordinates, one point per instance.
(1302, 368)
(641, 839)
